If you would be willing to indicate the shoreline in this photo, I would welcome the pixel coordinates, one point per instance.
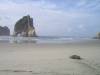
(49, 58)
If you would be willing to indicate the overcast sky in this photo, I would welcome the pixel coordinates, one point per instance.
(54, 17)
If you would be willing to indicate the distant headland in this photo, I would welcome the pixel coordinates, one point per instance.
(4, 31)
(97, 36)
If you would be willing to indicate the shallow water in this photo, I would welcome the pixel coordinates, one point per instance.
(41, 39)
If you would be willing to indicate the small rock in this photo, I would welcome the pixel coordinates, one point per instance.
(75, 57)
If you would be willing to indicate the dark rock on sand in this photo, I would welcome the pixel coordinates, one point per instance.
(75, 57)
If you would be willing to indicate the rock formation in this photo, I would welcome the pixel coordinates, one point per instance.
(24, 27)
(4, 31)
(97, 36)
(75, 57)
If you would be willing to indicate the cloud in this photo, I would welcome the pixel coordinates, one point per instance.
(53, 17)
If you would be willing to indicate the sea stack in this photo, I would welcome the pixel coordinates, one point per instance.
(25, 27)
(4, 31)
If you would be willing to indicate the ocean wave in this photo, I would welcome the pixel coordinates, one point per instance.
(10, 39)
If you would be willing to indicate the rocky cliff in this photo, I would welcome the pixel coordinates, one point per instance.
(4, 31)
(24, 27)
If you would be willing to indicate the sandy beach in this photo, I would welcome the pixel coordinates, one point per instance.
(50, 59)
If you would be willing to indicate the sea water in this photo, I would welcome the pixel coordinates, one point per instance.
(42, 39)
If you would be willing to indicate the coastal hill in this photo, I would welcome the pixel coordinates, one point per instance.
(4, 31)
(24, 27)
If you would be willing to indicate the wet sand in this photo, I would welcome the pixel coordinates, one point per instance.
(50, 59)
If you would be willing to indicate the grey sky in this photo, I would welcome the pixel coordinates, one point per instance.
(54, 17)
